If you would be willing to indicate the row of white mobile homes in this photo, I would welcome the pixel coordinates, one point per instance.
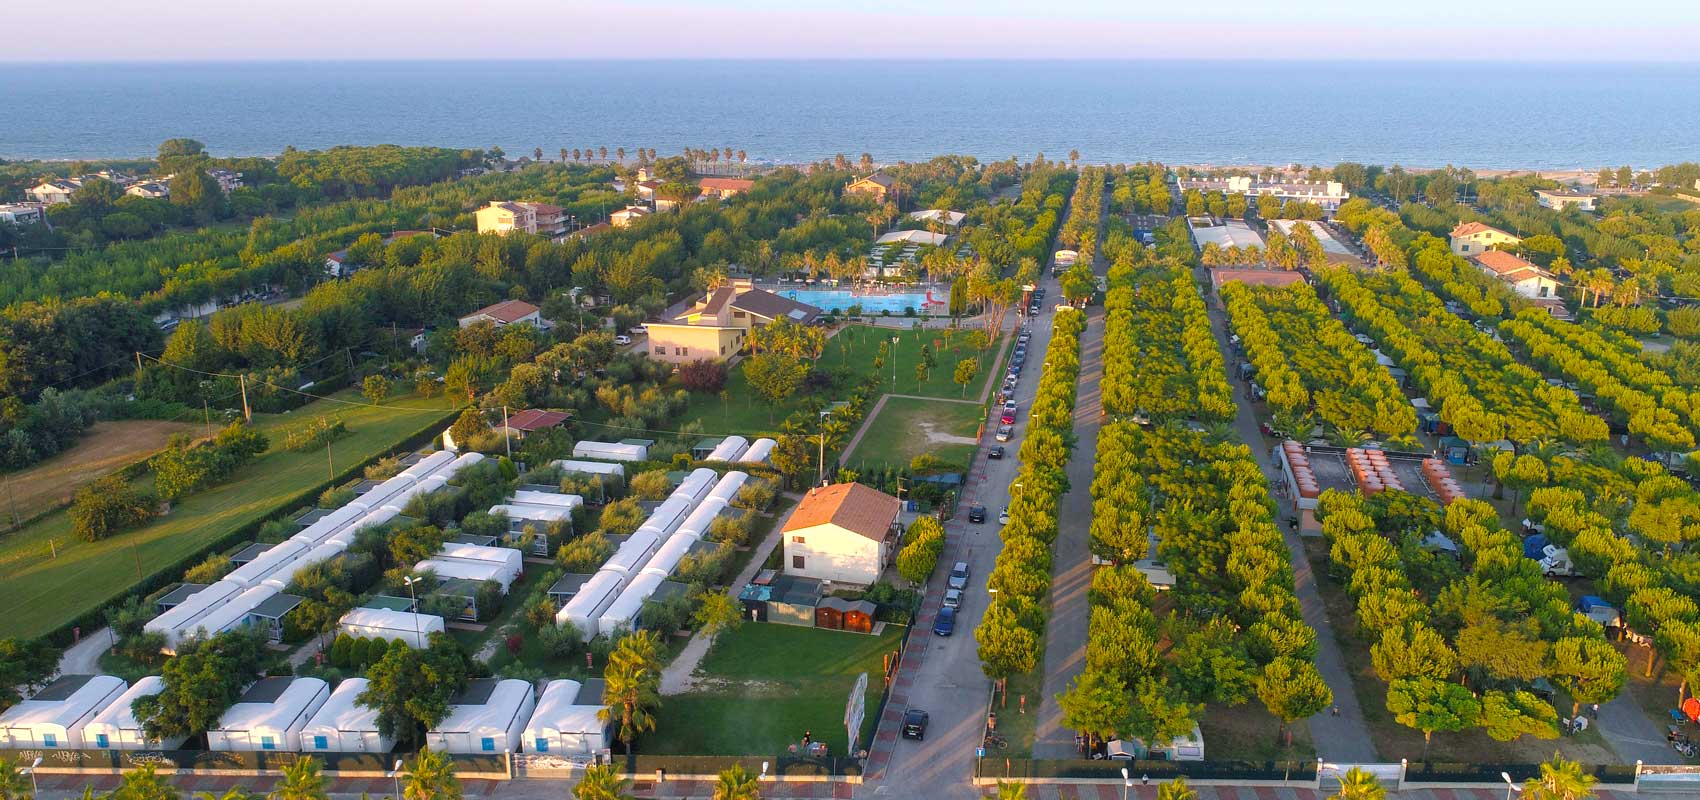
(624, 610)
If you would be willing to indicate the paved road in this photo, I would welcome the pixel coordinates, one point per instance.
(1344, 738)
(83, 658)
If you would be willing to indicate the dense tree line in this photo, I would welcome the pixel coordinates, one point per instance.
(1175, 368)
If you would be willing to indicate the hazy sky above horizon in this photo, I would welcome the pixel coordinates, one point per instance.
(1497, 30)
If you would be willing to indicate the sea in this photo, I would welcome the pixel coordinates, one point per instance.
(1487, 115)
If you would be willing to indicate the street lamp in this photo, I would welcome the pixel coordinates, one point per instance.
(395, 772)
(764, 770)
(1127, 783)
(31, 772)
(410, 580)
(1510, 785)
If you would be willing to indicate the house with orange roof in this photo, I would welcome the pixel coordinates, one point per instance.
(505, 313)
(844, 533)
(1524, 277)
(723, 188)
(880, 186)
(503, 217)
(1474, 238)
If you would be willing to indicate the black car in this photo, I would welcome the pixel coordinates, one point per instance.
(915, 724)
(977, 514)
(996, 452)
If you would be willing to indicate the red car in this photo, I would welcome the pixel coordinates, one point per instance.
(1008, 418)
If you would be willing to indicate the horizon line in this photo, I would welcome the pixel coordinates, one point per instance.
(1695, 61)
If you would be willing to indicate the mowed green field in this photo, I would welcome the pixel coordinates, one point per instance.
(907, 427)
(41, 590)
(764, 684)
(746, 414)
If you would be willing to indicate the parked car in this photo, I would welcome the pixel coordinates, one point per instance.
(1004, 432)
(996, 452)
(953, 598)
(1003, 516)
(622, 339)
(958, 576)
(1008, 418)
(945, 623)
(915, 724)
(640, 328)
(977, 514)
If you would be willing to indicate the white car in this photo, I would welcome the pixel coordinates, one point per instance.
(1003, 517)
(622, 339)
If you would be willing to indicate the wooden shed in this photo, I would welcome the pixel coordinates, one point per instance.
(840, 614)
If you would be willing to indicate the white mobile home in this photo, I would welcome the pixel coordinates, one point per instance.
(507, 557)
(607, 451)
(383, 623)
(760, 451)
(536, 498)
(116, 727)
(591, 468)
(342, 725)
(625, 608)
(467, 570)
(251, 573)
(270, 715)
(486, 718)
(696, 485)
(592, 599)
(182, 616)
(532, 513)
(726, 489)
(667, 517)
(231, 615)
(730, 448)
(560, 727)
(56, 716)
(697, 524)
(634, 552)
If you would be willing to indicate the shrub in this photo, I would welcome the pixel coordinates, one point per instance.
(339, 650)
(336, 497)
(756, 495)
(652, 485)
(316, 434)
(703, 375)
(730, 530)
(559, 641)
(208, 571)
(108, 506)
(622, 516)
(383, 469)
(920, 555)
(584, 554)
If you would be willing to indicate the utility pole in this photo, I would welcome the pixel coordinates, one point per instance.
(507, 434)
(246, 413)
(330, 468)
(138, 361)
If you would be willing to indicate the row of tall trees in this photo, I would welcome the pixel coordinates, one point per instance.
(1174, 369)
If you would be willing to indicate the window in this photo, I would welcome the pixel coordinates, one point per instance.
(797, 540)
(489, 745)
(542, 746)
(266, 743)
(796, 562)
(101, 741)
(49, 740)
(661, 350)
(322, 742)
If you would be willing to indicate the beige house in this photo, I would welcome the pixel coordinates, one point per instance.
(1561, 199)
(58, 190)
(1524, 277)
(628, 215)
(505, 217)
(1473, 238)
(843, 533)
(150, 189)
(717, 326)
(880, 186)
(23, 213)
(723, 188)
(505, 313)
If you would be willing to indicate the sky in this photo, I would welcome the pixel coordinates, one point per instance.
(271, 30)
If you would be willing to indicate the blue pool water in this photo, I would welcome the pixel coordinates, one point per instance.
(839, 300)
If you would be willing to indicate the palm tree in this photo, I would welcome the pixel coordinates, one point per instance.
(1012, 791)
(301, 781)
(742, 156)
(145, 784)
(233, 793)
(1073, 156)
(1560, 780)
(632, 685)
(1176, 789)
(601, 782)
(602, 152)
(537, 153)
(1358, 784)
(736, 783)
(621, 152)
(431, 776)
(563, 155)
(577, 153)
(14, 784)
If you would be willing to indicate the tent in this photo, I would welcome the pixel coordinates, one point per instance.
(533, 513)
(342, 725)
(726, 489)
(560, 727)
(696, 485)
(593, 598)
(507, 557)
(667, 517)
(250, 574)
(536, 498)
(383, 623)
(697, 524)
(610, 451)
(486, 718)
(172, 623)
(625, 608)
(116, 728)
(730, 448)
(270, 715)
(760, 451)
(469, 570)
(633, 554)
(56, 715)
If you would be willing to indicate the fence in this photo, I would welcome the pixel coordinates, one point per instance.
(787, 767)
(257, 762)
(1456, 772)
(1033, 769)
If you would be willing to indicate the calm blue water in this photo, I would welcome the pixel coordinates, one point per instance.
(1419, 114)
(830, 300)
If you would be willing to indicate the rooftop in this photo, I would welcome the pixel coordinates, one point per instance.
(1509, 266)
(1473, 228)
(508, 311)
(62, 689)
(536, 419)
(185, 590)
(267, 690)
(851, 506)
(276, 606)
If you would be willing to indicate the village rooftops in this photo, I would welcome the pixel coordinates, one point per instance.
(1473, 228)
(726, 184)
(507, 312)
(851, 506)
(1508, 266)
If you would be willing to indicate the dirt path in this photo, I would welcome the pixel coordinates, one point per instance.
(105, 447)
(873, 413)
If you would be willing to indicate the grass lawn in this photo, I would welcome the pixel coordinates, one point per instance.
(105, 447)
(1014, 725)
(907, 427)
(42, 591)
(472, 641)
(770, 683)
(746, 414)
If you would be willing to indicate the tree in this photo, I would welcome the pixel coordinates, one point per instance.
(1416, 651)
(431, 776)
(966, 369)
(633, 685)
(13, 783)
(651, 485)
(736, 783)
(775, 375)
(920, 554)
(1005, 646)
(1095, 704)
(601, 782)
(204, 679)
(27, 664)
(1158, 713)
(410, 689)
(1430, 705)
(468, 426)
(1560, 780)
(1177, 789)
(1589, 670)
(301, 781)
(1292, 690)
(622, 517)
(1359, 784)
(375, 388)
(108, 506)
(1509, 715)
(144, 783)
(717, 612)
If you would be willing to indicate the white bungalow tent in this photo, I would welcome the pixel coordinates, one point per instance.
(383, 623)
(342, 725)
(559, 727)
(590, 467)
(726, 489)
(535, 498)
(429, 464)
(730, 448)
(625, 608)
(469, 570)
(116, 727)
(696, 525)
(231, 615)
(486, 718)
(270, 715)
(172, 623)
(760, 451)
(607, 451)
(252, 573)
(505, 556)
(57, 715)
(593, 598)
(696, 485)
(634, 552)
(666, 517)
(531, 513)
(667, 559)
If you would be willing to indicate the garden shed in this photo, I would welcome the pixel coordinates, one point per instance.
(56, 716)
(561, 725)
(116, 727)
(842, 614)
(785, 599)
(485, 718)
(270, 715)
(342, 725)
(384, 623)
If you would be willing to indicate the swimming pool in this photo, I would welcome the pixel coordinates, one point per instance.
(839, 300)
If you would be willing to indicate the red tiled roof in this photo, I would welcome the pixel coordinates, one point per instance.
(543, 208)
(851, 506)
(535, 419)
(1473, 228)
(726, 184)
(508, 311)
(1508, 266)
(879, 178)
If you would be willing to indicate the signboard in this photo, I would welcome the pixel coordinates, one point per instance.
(854, 710)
